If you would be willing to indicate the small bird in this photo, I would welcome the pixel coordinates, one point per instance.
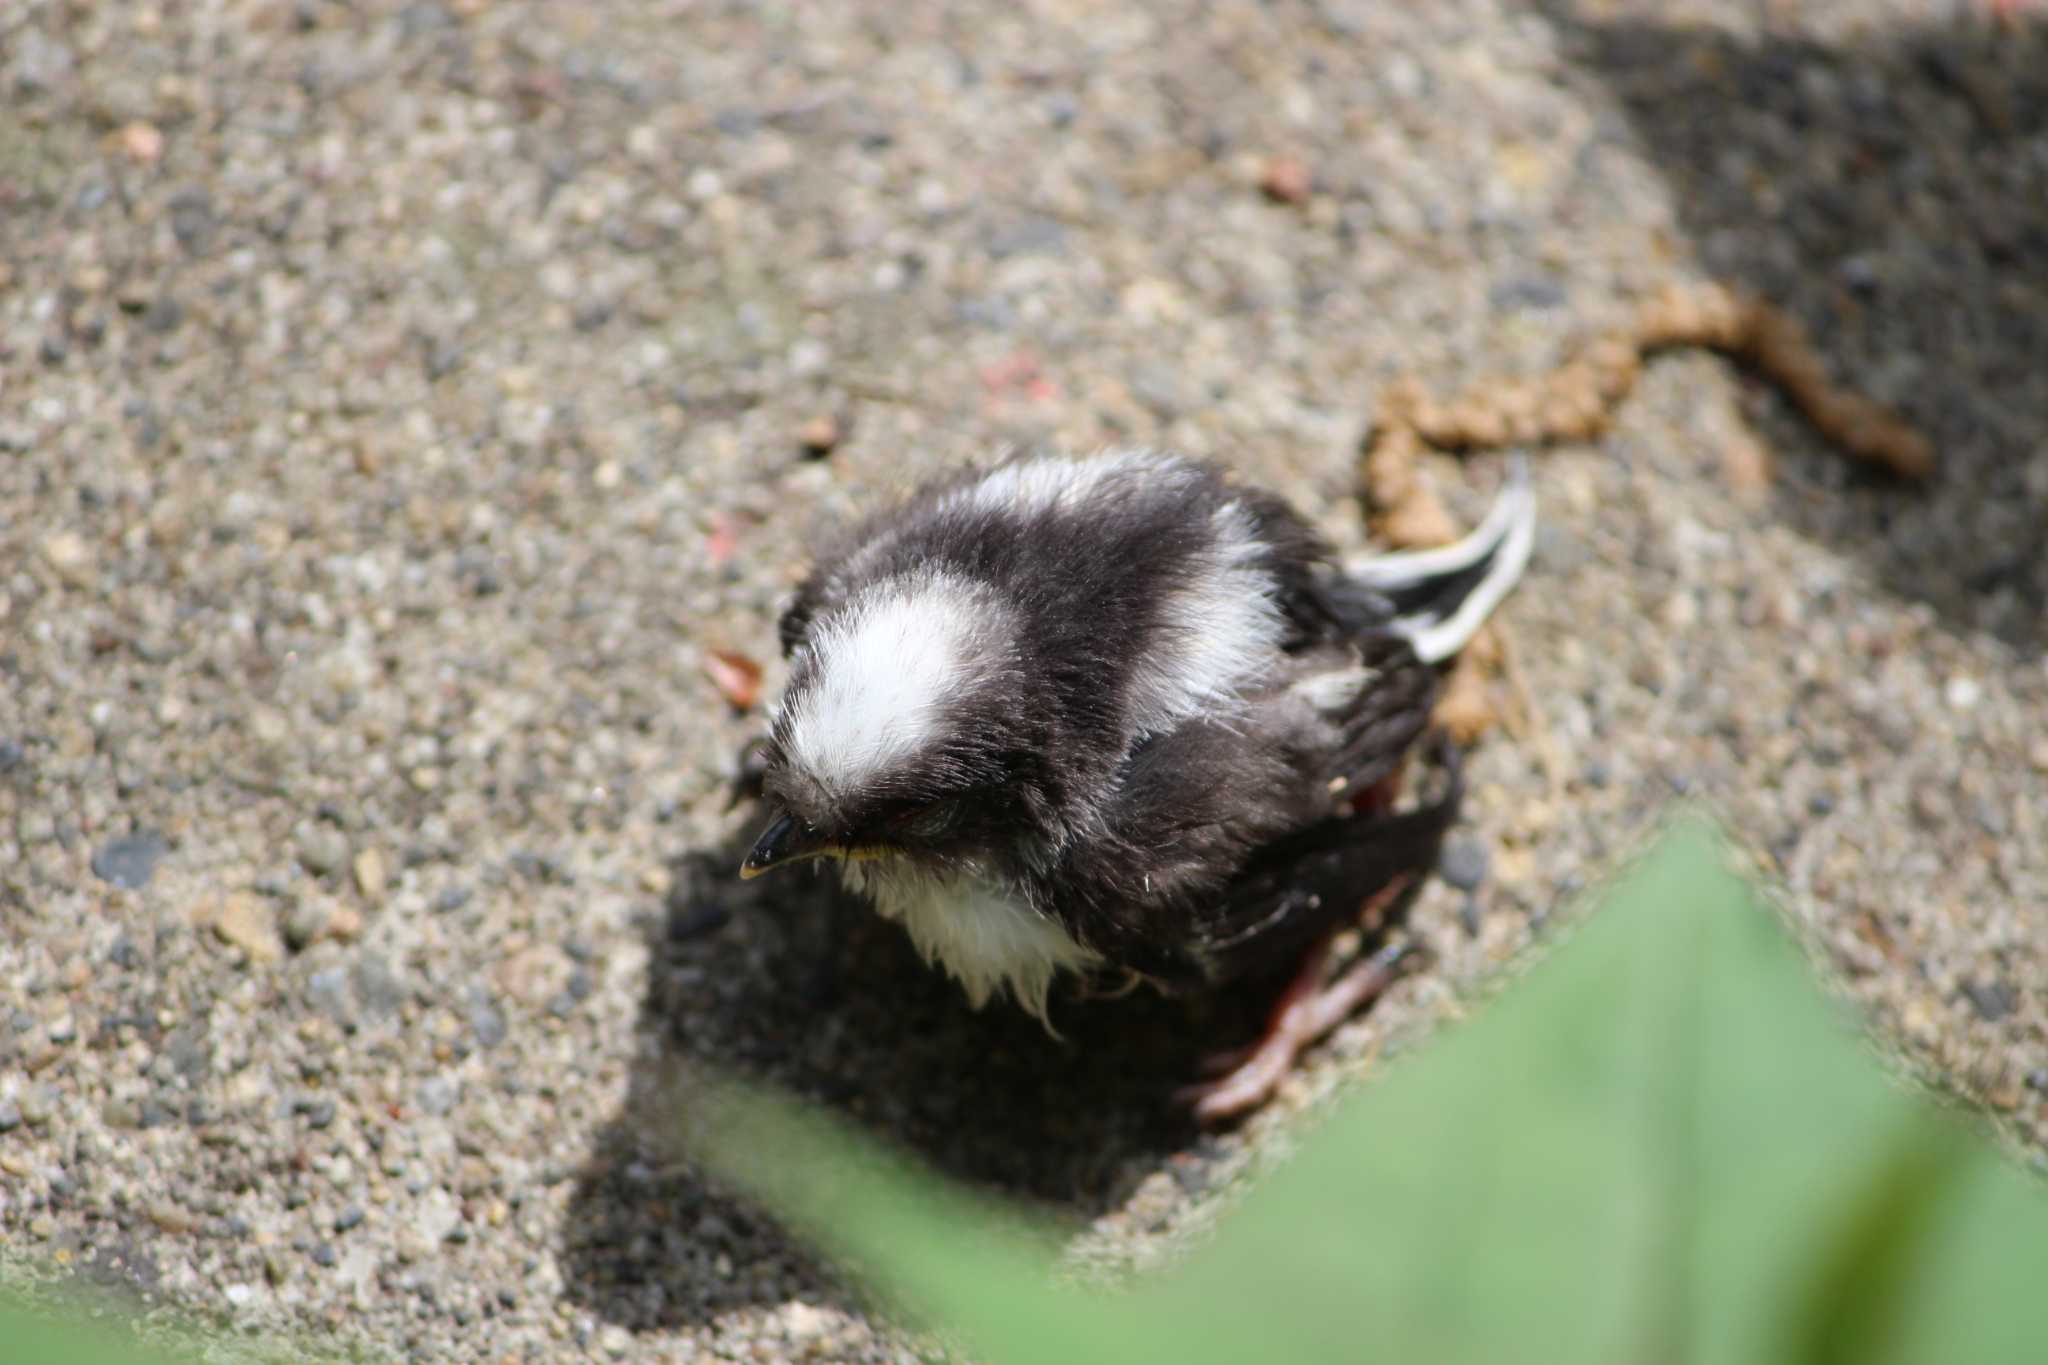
(1121, 718)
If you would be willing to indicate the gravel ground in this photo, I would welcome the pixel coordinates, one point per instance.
(400, 401)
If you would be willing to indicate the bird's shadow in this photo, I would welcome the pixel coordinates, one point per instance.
(1892, 193)
(787, 980)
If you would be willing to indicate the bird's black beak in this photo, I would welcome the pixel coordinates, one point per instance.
(787, 840)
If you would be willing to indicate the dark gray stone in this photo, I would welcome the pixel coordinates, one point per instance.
(1527, 292)
(1993, 1000)
(1464, 862)
(377, 986)
(1028, 236)
(131, 860)
(438, 1094)
(486, 1020)
(192, 218)
(327, 992)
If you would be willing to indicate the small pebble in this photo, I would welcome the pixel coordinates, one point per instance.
(327, 991)
(1471, 917)
(378, 988)
(142, 143)
(348, 1218)
(323, 1254)
(192, 218)
(1993, 1000)
(1286, 180)
(369, 875)
(245, 921)
(438, 1094)
(818, 437)
(319, 1112)
(1526, 292)
(10, 1116)
(305, 924)
(1464, 862)
(130, 861)
(322, 848)
(486, 1020)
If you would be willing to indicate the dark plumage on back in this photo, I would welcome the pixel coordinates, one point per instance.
(1111, 713)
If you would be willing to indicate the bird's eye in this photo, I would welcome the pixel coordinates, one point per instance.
(928, 821)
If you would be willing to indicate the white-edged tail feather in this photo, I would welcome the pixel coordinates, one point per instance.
(1442, 596)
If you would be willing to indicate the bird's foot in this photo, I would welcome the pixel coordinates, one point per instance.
(1245, 1078)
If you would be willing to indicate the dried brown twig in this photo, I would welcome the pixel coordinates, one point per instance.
(1577, 401)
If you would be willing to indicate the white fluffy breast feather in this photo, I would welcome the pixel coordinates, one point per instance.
(985, 937)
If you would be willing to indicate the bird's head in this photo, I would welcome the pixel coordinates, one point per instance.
(904, 734)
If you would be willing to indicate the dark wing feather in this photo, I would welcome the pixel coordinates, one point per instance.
(1223, 849)
(1298, 889)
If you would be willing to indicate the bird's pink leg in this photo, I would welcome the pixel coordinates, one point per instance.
(1309, 1008)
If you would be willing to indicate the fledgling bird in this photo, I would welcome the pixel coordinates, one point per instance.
(1118, 716)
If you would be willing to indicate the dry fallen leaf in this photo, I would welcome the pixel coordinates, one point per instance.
(737, 677)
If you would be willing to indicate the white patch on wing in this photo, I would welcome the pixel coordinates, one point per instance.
(1334, 689)
(1222, 631)
(1507, 535)
(1044, 483)
(1221, 626)
(884, 667)
(986, 937)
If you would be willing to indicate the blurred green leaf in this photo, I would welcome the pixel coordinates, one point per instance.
(41, 1335)
(1663, 1146)
(46, 1321)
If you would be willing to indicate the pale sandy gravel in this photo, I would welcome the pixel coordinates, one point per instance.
(357, 461)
